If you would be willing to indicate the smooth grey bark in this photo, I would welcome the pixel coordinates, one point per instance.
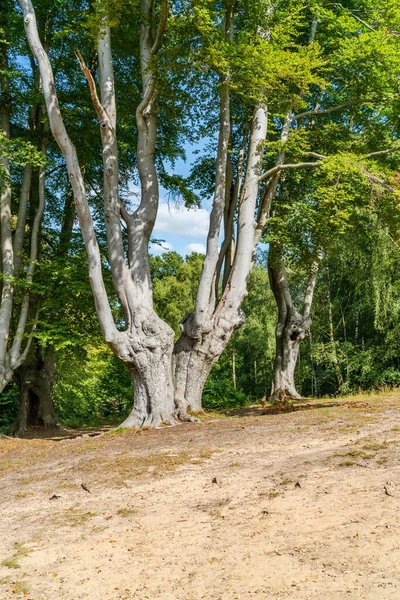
(7, 252)
(292, 327)
(146, 344)
(74, 172)
(199, 347)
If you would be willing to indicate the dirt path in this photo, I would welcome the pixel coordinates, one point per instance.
(262, 506)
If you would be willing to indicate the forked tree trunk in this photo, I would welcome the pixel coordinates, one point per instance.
(288, 337)
(292, 327)
(146, 344)
(206, 331)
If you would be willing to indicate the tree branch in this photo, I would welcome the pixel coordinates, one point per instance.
(101, 112)
(147, 53)
(161, 28)
(382, 152)
(267, 195)
(75, 176)
(327, 111)
(379, 181)
(205, 292)
(34, 250)
(308, 298)
(285, 167)
(354, 16)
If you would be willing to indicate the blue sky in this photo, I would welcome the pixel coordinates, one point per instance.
(184, 230)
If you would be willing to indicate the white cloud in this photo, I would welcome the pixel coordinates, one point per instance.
(200, 248)
(160, 248)
(182, 222)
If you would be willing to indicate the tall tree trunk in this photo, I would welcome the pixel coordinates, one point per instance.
(7, 253)
(193, 363)
(292, 327)
(36, 405)
(283, 384)
(206, 333)
(11, 354)
(39, 376)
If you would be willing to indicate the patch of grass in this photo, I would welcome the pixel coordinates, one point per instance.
(270, 494)
(98, 528)
(347, 463)
(72, 517)
(128, 466)
(215, 514)
(87, 446)
(207, 452)
(210, 414)
(125, 431)
(355, 454)
(126, 512)
(285, 481)
(34, 479)
(13, 561)
(118, 431)
(6, 465)
(21, 587)
(376, 446)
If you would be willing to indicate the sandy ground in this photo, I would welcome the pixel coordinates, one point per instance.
(249, 507)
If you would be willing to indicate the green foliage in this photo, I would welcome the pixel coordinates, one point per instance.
(175, 285)
(219, 394)
(92, 387)
(9, 402)
(353, 59)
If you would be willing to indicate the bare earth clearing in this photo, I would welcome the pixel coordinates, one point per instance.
(209, 511)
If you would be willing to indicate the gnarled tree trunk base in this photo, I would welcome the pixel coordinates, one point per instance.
(149, 358)
(193, 363)
(36, 404)
(284, 394)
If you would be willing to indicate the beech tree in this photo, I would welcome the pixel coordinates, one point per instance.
(19, 252)
(332, 100)
(352, 136)
(146, 345)
(271, 75)
(34, 205)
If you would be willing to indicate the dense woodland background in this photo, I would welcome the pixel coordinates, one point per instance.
(343, 213)
(93, 387)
